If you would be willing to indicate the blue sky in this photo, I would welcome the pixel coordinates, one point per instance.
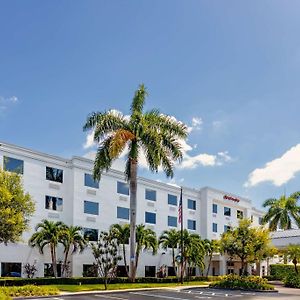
(228, 69)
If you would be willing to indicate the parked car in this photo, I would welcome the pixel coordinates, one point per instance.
(13, 274)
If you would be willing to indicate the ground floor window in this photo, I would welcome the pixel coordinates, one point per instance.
(121, 271)
(191, 271)
(150, 271)
(89, 270)
(11, 269)
(48, 270)
(171, 271)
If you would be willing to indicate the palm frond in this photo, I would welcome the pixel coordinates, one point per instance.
(138, 101)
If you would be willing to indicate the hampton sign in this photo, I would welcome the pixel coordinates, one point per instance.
(226, 197)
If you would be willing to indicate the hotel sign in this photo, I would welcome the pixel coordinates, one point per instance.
(226, 197)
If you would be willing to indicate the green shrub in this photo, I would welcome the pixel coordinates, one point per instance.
(236, 282)
(4, 297)
(280, 272)
(292, 280)
(28, 290)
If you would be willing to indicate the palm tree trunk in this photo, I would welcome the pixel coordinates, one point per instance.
(133, 190)
(53, 257)
(173, 261)
(209, 263)
(125, 260)
(65, 262)
(295, 265)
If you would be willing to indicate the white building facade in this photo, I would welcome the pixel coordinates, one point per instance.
(64, 190)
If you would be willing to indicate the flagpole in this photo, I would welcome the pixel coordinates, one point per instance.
(181, 235)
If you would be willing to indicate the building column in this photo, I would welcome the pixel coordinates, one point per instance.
(222, 266)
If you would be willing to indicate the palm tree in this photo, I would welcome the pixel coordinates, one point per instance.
(282, 212)
(73, 241)
(154, 134)
(48, 233)
(145, 240)
(170, 239)
(122, 233)
(211, 247)
(293, 253)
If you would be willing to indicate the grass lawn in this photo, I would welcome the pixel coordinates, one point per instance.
(119, 286)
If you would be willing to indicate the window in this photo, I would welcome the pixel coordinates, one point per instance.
(122, 213)
(48, 270)
(226, 228)
(172, 221)
(54, 203)
(227, 211)
(54, 174)
(89, 271)
(191, 271)
(11, 269)
(90, 234)
(215, 227)
(91, 207)
(171, 271)
(122, 188)
(150, 217)
(150, 195)
(215, 208)
(172, 199)
(239, 214)
(121, 271)
(191, 204)
(90, 182)
(192, 224)
(13, 165)
(150, 271)
(260, 220)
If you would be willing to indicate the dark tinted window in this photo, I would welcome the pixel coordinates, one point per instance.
(227, 211)
(13, 165)
(90, 182)
(54, 203)
(90, 234)
(172, 199)
(11, 269)
(172, 221)
(91, 207)
(215, 227)
(150, 194)
(54, 174)
(226, 228)
(123, 213)
(215, 208)
(239, 214)
(260, 220)
(191, 204)
(192, 224)
(171, 271)
(48, 270)
(150, 217)
(122, 188)
(150, 271)
(89, 270)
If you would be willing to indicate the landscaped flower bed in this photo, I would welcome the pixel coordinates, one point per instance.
(26, 291)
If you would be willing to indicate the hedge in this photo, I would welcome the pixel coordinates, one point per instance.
(280, 272)
(27, 291)
(292, 280)
(94, 280)
(4, 297)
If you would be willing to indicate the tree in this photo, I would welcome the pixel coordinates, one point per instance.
(121, 233)
(293, 252)
(282, 212)
(170, 239)
(48, 233)
(211, 247)
(244, 242)
(30, 270)
(154, 134)
(73, 241)
(105, 252)
(16, 207)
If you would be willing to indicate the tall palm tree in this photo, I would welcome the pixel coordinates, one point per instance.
(145, 240)
(282, 212)
(293, 253)
(73, 241)
(154, 134)
(170, 239)
(211, 247)
(122, 233)
(48, 233)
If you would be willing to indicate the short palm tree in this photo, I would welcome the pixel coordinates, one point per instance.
(154, 134)
(48, 233)
(122, 233)
(73, 241)
(170, 239)
(293, 253)
(282, 212)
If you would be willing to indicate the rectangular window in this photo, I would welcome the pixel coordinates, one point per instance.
(54, 203)
(150, 271)
(215, 227)
(227, 211)
(172, 221)
(192, 224)
(150, 217)
(54, 174)
(90, 182)
(239, 214)
(122, 188)
(172, 199)
(150, 194)
(191, 204)
(90, 234)
(48, 270)
(226, 228)
(123, 213)
(91, 207)
(89, 270)
(215, 208)
(13, 165)
(11, 269)
(260, 220)
(171, 271)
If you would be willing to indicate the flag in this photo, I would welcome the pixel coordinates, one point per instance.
(180, 208)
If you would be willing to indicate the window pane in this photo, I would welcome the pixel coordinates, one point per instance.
(192, 224)
(150, 195)
(54, 203)
(172, 199)
(226, 228)
(13, 165)
(227, 211)
(215, 227)
(172, 221)
(11, 269)
(90, 182)
(54, 174)
(260, 220)
(150, 271)
(48, 270)
(215, 208)
(239, 214)
(122, 213)
(191, 204)
(122, 188)
(150, 217)
(89, 270)
(90, 234)
(91, 207)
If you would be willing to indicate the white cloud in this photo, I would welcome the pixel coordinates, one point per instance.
(5, 102)
(89, 141)
(278, 171)
(196, 124)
